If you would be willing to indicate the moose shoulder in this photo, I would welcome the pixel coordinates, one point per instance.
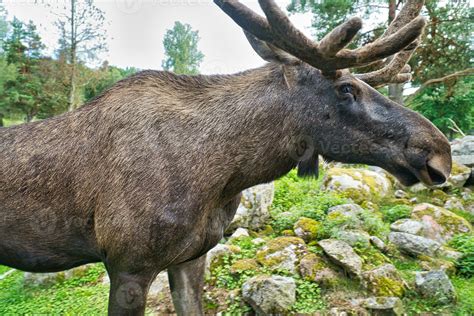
(147, 176)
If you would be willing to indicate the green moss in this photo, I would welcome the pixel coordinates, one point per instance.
(394, 213)
(274, 246)
(385, 286)
(310, 228)
(244, 265)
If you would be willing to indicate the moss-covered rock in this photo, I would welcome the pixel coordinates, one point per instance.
(244, 265)
(307, 228)
(357, 184)
(439, 223)
(312, 267)
(282, 253)
(384, 281)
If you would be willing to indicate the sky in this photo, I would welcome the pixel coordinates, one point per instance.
(135, 30)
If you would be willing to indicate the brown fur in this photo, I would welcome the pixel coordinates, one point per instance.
(148, 175)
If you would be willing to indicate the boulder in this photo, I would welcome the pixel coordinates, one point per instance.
(435, 285)
(253, 212)
(270, 294)
(349, 210)
(281, 253)
(462, 150)
(215, 255)
(454, 203)
(354, 237)
(383, 306)
(400, 194)
(384, 281)
(438, 223)
(343, 255)
(307, 228)
(357, 184)
(414, 245)
(406, 225)
(243, 265)
(239, 232)
(459, 175)
(378, 243)
(314, 268)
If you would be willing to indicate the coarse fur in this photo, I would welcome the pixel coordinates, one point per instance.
(147, 176)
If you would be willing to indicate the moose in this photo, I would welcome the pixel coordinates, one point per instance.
(148, 175)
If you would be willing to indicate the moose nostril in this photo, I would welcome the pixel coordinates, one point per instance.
(436, 176)
(438, 170)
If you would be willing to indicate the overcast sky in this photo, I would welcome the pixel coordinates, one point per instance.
(135, 30)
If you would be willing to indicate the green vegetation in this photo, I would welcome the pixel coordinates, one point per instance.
(394, 213)
(79, 295)
(181, 52)
(465, 244)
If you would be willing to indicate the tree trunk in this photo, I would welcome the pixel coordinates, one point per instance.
(72, 57)
(395, 90)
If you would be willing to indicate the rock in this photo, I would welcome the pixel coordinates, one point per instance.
(408, 226)
(314, 268)
(378, 243)
(270, 294)
(459, 175)
(342, 254)
(160, 285)
(414, 245)
(450, 253)
(385, 306)
(435, 285)
(281, 253)
(462, 150)
(307, 228)
(400, 194)
(438, 223)
(349, 210)
(358, 184)
(258, 241)
(384, 281)
(428, 264)
(244, 265)
(253, 212)
(239, 232)
(54, 277)
(215, 255)
(454, 204)
(354, 237)
(417, 188)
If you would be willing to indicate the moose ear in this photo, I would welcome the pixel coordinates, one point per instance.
(269, 52)
(309, 168)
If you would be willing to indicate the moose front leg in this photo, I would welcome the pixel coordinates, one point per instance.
(128, 293)
(186, 283)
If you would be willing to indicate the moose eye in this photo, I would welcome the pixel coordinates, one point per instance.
(346, 88)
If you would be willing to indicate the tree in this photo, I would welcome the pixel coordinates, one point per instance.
(181, 52)
(23, 50)
(82, 38)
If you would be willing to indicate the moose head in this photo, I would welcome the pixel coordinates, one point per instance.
(340, 115)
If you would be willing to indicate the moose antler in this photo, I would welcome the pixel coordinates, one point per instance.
(330, 53)
(396, 70)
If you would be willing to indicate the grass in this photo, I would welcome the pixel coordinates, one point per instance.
(83, 295)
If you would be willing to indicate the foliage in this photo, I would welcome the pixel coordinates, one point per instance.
(394, 213)
(465, 244)
(24, 93)
(78, 295)
(300, 197)
(443, 104)
(182, 55)
(308, 297)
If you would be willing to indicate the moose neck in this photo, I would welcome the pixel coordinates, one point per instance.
(255, 126)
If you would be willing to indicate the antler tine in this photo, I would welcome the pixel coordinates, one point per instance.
(330, 54)
(393, 72)
(246, 19)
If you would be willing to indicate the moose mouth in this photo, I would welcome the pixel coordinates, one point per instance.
(430, 174)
